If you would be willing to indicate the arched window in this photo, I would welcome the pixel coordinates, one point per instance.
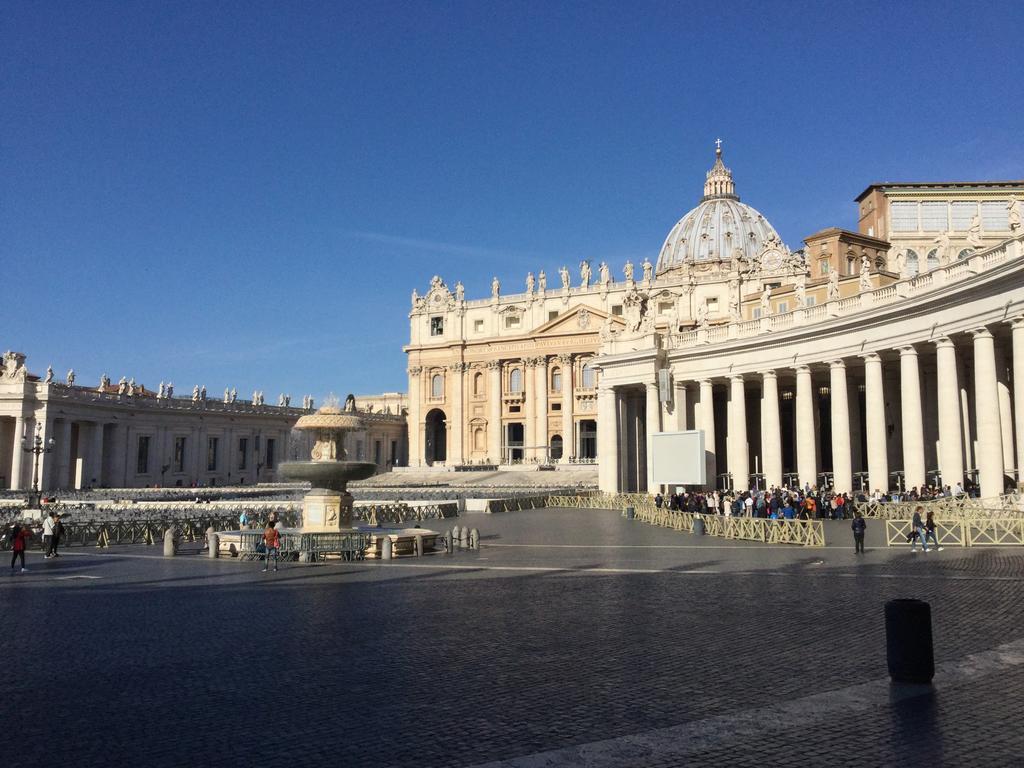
(556, 447)
(515, 380)
(933, 259)
(587, 374)
(556, 380)
(478, 383)
(966, 253)
(912, 266)
(437, 386)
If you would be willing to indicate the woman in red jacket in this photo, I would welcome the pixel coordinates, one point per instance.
(19, 543)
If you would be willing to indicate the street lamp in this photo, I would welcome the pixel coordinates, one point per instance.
(37, 449)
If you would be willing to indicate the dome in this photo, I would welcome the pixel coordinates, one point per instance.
(718, 227)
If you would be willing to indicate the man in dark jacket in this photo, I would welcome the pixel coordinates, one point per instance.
(859, 526)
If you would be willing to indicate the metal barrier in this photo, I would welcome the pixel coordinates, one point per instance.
(963, 506)
(377, 514)
(348, 545)
(806, 533)
(966, 532)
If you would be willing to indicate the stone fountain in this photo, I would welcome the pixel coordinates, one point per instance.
(328, 506)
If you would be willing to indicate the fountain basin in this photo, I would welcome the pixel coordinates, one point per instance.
(331, 475)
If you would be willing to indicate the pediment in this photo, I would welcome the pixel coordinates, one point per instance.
(577, 320)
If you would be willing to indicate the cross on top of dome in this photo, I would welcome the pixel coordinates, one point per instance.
(719, 183)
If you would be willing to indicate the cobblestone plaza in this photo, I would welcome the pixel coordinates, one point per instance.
(571, 638)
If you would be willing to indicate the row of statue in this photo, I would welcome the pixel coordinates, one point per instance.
(540, 283)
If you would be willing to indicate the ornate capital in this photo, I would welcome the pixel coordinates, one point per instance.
(943, 342)
(1017, 323)
(981, 333)
(802, 369)
(494, 365)
(458, 367)
(871, 357)
(565, 359)
(907, 350)
(837, 365)
(734, 377)
(769, 375)
(415, 370)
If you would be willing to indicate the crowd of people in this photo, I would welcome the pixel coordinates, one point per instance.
(805, 503)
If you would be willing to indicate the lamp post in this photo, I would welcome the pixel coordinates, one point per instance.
(37, 449)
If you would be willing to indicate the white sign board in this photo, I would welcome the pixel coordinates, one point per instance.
(678, 458)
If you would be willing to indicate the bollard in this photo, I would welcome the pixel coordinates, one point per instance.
(213, 542)
(170, 545)
(418, 543)
(474, 539)
(456, 534)
(449, 542)
(908, 641)
(464, 537)
(385, 549)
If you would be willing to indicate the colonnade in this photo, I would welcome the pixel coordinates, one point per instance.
(946, 411)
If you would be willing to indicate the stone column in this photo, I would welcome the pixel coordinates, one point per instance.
(706, 423)
(541, 382)
(806, 449)
(48, 461)
(568, 425)
(63, 480)
(736, 447)
(1005, 408)
(679, 398)
(95, 473)
(951, 461)
(652, 426)
(457, 423)
(607, 442)
(18, 454)
(771, 432)
(913, 424)
(119, 457)
(1018, 392)
(842, 462)
(529, 409)
(494, 414)
(874, 402)
(986, 399)
(414, 417)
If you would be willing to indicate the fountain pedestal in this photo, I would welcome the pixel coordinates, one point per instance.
(326, 510)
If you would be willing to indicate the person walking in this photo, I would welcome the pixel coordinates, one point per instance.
(917, 530)
(859, 526)
(48, 534)
(19, 537)
(58, 534)
(929, 532)
(272, 543)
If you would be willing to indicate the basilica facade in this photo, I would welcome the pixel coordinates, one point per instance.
(886, 358)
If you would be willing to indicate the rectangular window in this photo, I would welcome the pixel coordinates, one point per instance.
(994, 216)
(142, 462)
(810, 301)
(904, 217)
(211, 453)
(617, 310)
(243, 452)
(512, 321)
(933, 216)
(962, 213)
(376, 451)
(556, 406)
(179, 454)
(757, 313)
(823, 266)
(271, 445)
(783, 307)
(712, 305)
(552, 315)
(478, 326)
(437, 326)
(664, 307)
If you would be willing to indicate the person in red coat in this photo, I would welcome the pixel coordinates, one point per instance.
(19, 537)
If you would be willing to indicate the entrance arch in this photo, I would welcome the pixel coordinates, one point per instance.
(435, 445)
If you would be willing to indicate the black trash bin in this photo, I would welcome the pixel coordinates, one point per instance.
(630, 513)
(698, 526)
(908, 641)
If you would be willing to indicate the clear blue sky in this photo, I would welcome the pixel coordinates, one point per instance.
(245, 194)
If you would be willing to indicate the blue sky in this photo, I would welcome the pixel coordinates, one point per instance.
(245, 194)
